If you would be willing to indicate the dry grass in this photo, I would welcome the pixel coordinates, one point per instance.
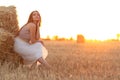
(8, 19)
(72, 61)
(8, 29)
(6, 47)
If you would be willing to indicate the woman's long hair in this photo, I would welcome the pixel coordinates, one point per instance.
(30, 19)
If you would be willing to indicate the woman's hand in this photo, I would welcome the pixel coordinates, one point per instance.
(41, 42)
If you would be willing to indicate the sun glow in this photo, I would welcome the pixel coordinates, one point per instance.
(93, 19)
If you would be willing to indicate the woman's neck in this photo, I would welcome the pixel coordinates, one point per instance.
(35, 22)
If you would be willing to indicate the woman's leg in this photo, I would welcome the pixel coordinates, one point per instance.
(29, 66)
(44, 62)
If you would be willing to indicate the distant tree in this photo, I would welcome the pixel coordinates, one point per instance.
(118, 36)
(80, 38)
(55, 37)
(47, 38)
(61, 39)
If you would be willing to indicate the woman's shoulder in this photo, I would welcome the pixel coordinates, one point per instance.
(31, 24)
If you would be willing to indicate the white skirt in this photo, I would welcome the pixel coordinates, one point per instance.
(29, 52)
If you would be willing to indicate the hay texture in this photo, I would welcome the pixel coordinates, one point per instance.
(6, 47)
(8, 19)
(8, 29)
(80, 38)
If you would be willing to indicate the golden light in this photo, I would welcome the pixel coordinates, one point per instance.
(98, 20)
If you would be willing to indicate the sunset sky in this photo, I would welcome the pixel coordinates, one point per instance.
(95, 19)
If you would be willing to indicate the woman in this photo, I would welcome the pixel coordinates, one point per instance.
(28, 43)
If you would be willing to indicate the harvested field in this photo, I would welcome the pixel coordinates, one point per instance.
(72, 61)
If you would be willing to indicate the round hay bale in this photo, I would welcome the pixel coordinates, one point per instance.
(80, 38)
(8, 19)
(6, 47)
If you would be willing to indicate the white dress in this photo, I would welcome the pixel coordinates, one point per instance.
(29, 52)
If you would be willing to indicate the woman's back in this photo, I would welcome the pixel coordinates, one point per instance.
(25, 33)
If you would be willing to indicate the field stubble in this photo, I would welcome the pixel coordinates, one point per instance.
(72, 61)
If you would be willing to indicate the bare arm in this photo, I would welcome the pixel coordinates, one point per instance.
(32, 28)
(38, 34)
(38, 38)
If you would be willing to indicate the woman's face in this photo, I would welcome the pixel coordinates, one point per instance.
(36, 16)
